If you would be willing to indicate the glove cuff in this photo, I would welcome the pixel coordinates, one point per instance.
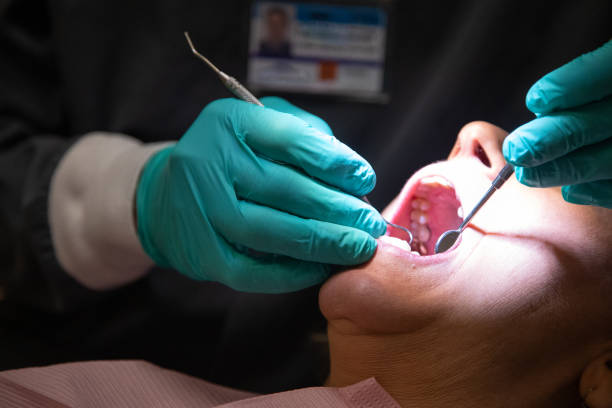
(149, 202)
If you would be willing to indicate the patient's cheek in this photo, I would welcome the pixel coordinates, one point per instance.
(508, 277)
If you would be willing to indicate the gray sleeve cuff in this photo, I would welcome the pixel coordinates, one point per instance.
(91, 210)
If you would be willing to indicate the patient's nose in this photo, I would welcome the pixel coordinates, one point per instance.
(481, 141)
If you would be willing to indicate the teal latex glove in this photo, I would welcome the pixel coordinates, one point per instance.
(569, 144)
(206, 204)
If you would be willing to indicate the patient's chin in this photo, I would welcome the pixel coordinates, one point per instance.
(380, 296)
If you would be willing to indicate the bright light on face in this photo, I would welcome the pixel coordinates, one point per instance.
(525, 290)
(518, 253)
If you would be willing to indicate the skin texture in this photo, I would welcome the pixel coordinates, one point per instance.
(510, 317)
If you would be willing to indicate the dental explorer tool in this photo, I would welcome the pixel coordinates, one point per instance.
(449, 238)
(244, 94)
(399, 227)
(229, 82)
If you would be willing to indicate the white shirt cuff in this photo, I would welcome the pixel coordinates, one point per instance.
(91, 204)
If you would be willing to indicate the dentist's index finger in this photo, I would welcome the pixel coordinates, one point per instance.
(283, 105)
(552, 136)
(585, 79)
(588, 164)
(288, 139)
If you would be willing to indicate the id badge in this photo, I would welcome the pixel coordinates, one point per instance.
(316, 48)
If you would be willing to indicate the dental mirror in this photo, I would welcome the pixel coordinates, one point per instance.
(448, 239)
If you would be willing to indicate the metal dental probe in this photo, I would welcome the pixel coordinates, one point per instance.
(229, 82)
(449, 238)
(242, 93)
(399, 227)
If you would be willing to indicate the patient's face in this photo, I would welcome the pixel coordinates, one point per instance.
(528, 263)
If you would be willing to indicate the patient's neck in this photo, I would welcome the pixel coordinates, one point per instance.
(424, 370)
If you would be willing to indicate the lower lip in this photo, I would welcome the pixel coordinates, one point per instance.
(387, 245)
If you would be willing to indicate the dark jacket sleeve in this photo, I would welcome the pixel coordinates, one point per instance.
(33, 138)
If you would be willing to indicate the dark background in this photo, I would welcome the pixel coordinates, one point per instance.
(69, 67)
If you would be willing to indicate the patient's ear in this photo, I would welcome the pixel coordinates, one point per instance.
(596, 382)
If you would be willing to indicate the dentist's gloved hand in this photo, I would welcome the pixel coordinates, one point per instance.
(223, 191)
(570, 141)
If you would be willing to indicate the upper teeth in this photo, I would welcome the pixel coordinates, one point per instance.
(420, 204)
(436, 180)
(419, 216)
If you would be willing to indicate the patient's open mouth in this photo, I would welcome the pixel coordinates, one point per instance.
(430, 208)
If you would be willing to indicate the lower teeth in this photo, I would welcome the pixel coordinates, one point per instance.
(422, 248)
(419, 247)
(421, 234)
(400, 243)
